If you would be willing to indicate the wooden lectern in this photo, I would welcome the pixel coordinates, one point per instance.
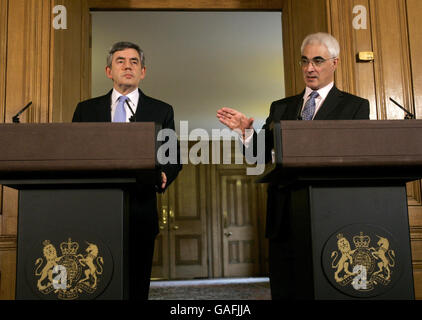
(73, 204)
(348, 204)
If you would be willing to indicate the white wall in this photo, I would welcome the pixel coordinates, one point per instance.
(199, 61)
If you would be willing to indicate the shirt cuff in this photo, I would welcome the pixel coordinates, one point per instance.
(248, 137)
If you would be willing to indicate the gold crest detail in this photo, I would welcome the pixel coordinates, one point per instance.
(70, 274)
(363, 267)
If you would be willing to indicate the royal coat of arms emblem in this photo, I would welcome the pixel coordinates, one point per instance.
(354, 266)
(70, 274)
(361, 262)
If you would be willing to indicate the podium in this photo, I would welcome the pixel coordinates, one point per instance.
(73, 206)
(348, 204)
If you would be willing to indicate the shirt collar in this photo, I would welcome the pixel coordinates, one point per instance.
(323, 92)
(133, 96)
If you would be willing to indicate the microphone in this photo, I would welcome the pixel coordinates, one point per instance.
(408, 114)
(15, 119)
(133, 117)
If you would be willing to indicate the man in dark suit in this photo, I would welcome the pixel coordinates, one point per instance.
(320, 100)
(124, 103)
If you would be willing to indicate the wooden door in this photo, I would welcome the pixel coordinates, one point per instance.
(240, 231)
(181, 248)
(160, 262)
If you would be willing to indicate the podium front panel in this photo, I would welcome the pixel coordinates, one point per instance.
(71, 244)
(353, 242)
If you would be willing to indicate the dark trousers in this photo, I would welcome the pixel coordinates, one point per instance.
(143, 226)
(140, 264)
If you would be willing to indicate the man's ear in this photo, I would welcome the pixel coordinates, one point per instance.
(143, 73)
(336, 62)
(108, 72)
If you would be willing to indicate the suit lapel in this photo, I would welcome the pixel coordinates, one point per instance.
(333, 99)
(294, 107)
(142, 108)
(104, 108)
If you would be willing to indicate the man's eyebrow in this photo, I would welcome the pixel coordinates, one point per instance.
(120, 58)
(317, 57)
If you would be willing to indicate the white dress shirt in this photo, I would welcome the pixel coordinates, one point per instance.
(133, 99)
(322, 94)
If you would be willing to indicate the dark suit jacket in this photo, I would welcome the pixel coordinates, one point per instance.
(149, 110)
(338, 105)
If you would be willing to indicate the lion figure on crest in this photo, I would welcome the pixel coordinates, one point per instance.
(345, 260)
(51, 258)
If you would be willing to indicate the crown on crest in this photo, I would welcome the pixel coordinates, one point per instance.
(69, 247)
(361, 241)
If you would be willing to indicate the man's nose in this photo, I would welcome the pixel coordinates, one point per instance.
(127, 65)
(310, 67)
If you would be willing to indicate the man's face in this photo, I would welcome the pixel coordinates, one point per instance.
(126, 71)
(317, 77)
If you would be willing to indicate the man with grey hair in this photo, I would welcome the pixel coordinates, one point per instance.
(321, 100)
(127, 103)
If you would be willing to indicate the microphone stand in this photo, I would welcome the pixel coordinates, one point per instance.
(133, 117)
(408, 114)
(15, 119)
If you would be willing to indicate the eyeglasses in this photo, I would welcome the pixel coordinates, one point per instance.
(316, 62)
